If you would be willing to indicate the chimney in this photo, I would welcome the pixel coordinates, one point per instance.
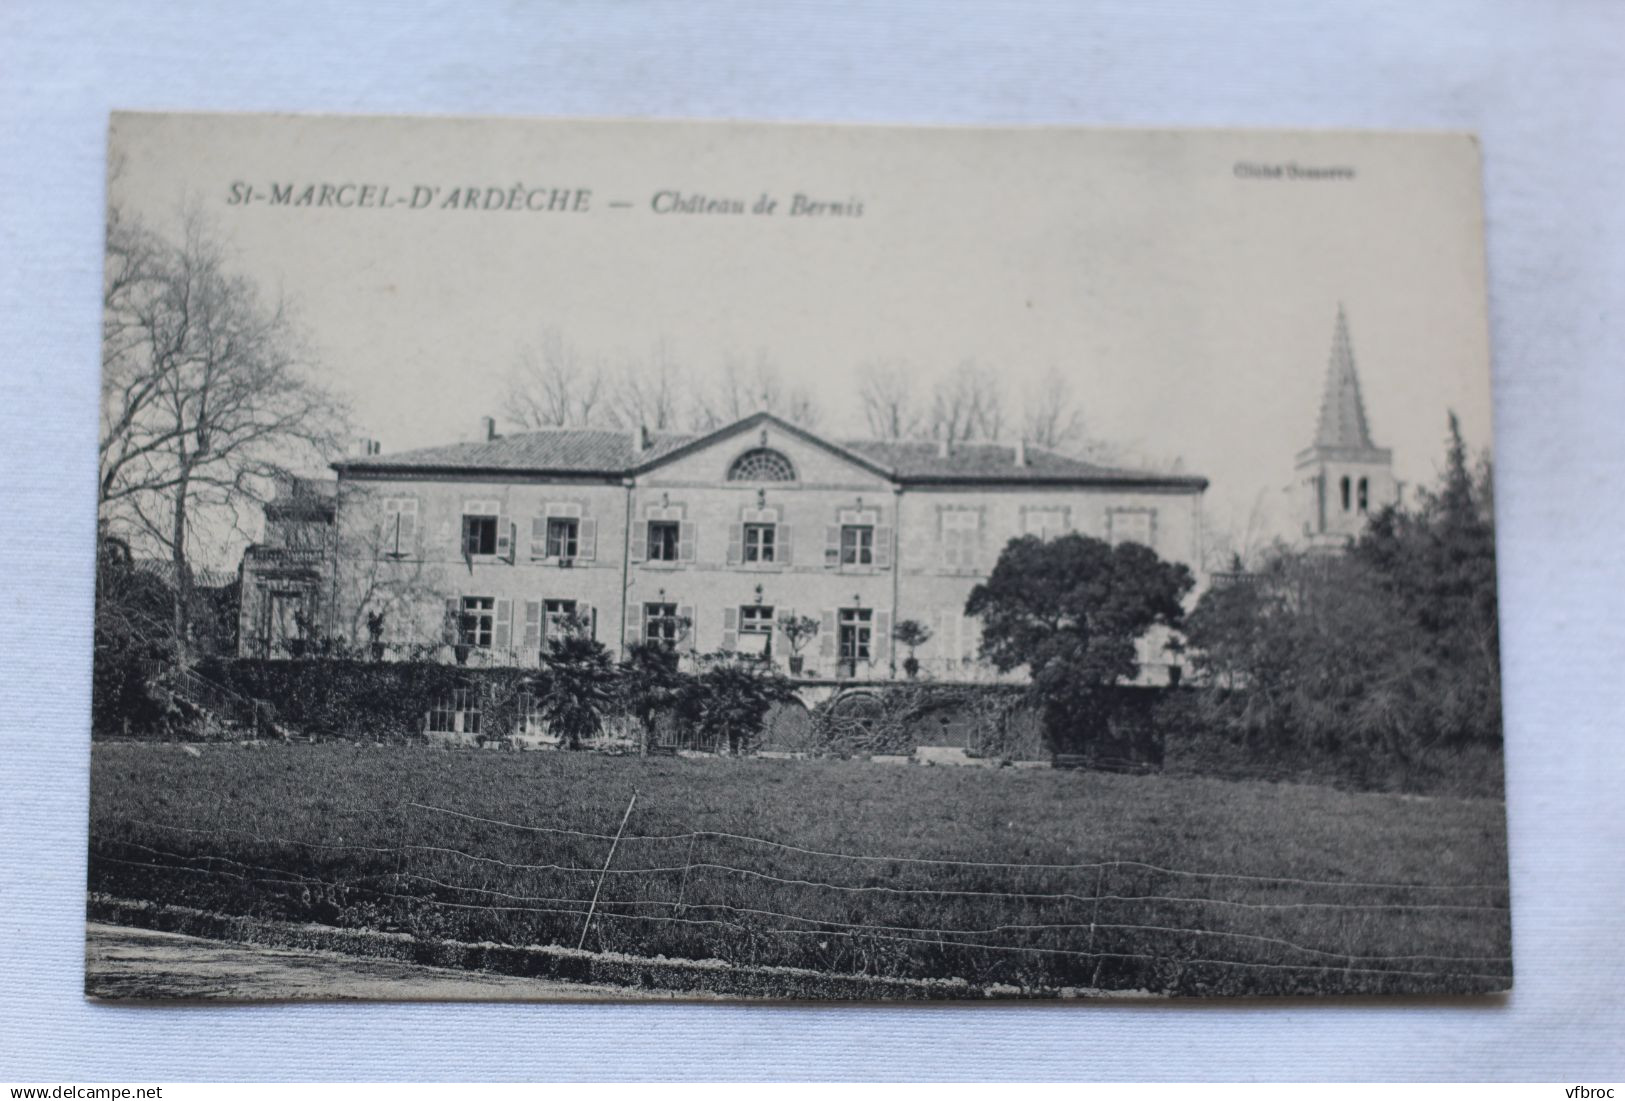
(1021, 451)
(488, 429)
(943, 446)
(640, 439)
(362, 447)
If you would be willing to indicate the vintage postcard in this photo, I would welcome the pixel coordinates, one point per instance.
(569, 559)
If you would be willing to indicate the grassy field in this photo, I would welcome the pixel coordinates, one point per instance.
(1011, 879)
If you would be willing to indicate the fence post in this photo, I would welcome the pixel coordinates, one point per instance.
(1100, 882)
(688, 863)
(586, 925)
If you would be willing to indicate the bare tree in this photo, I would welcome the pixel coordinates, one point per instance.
(890, 401)
(966, 405)
(750, 386)
(553, 384)
(206, 395)
(1052, 418)
(648, 393)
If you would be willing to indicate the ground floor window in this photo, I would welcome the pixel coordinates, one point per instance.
(756, 630)
(660, 623)
(856, 636)
(528, 715)
(457, 712)
(558, 617)
(478, 621)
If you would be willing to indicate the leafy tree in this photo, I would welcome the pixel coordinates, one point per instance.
(652, 684)
(1387, 650)
(1438, 560)
(580, 687)
(1071, 610)
(912, 634)
(733, 696)
(132, 637)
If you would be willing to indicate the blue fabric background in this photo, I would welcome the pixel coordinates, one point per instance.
(1543, 83)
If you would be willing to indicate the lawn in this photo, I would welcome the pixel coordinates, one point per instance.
(1027, 879)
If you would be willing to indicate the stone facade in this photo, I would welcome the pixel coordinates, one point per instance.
(712, 540)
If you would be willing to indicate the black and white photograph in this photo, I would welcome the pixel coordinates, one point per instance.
(612, 560)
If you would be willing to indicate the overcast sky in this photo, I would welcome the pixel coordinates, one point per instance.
(1190, 300)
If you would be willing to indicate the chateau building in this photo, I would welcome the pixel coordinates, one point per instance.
(483, 550)
(1342, 477)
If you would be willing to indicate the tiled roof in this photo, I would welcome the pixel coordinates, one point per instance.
(609, 452)
(562, 450)
(1342, 423)
(993, 462)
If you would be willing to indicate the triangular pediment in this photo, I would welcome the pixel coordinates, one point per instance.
(808, 456)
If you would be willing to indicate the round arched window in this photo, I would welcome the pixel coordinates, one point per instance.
(761, 464)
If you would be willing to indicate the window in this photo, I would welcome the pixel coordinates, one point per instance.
(663, 535)
(759, 542)
(1365, 494)
(762, 464)
(458, 712)
(756, 630)
(1132, 525)
(755, 619)
(660, 623)
(557, 617)
(1046, 523)
(562, 537)
(857, 631)
(479, 535)
(528, 715)
(857, 545)
(961, 536)
(478, 621)
(1345, 488)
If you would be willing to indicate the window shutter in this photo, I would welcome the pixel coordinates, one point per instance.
(730, 628)
(686, 536)
(883, 547)
(587, 540)
(454, 623)
(505, 538)
(880, 643)
(538, 537)
(826, 634)
(832, 546)
(634, 624)
(533, 628)
(781, 553)
(503, 637)
(736, 544)
(592, 622)
(640, 540)
(687, 612)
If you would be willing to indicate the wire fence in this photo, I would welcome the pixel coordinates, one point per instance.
(750, 900)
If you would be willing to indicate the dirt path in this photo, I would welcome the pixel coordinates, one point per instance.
(126, 963)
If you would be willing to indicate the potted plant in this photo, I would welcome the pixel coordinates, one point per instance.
(454, 630)
(912, 634)
(375, 634)
(798, 631)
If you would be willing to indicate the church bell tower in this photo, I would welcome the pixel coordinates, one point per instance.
(1342, 478)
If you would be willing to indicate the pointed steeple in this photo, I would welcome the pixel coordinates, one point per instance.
(1342, 411)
